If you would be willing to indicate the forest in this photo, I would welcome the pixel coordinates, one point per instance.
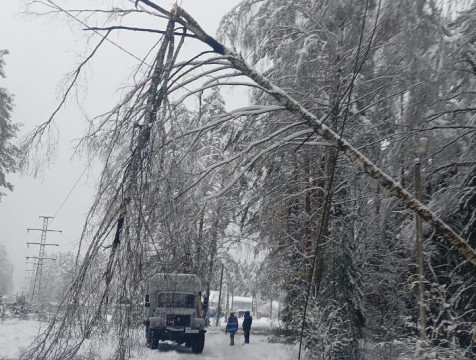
(351, 174)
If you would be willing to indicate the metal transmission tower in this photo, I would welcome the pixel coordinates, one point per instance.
(35, 285)
(26, 288)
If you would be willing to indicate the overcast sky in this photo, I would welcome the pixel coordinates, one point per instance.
(42, 51)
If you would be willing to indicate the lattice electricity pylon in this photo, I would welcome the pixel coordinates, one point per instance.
(35, 287)
(26, 288)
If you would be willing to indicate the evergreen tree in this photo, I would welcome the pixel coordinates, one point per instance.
(6, 273)
(8, 151)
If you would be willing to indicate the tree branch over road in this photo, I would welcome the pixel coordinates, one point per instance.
(360, 160)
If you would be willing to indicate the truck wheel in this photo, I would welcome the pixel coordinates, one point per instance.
(154, 344)
(198, 342)
(152, 340)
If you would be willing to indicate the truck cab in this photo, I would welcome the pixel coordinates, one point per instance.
(173, 311)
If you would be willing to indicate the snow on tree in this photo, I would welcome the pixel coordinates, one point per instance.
(6, 273)
(8, 151)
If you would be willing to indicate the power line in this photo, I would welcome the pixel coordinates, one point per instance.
(97, 32)
(32, 280)
(70, 192)
(75, 18)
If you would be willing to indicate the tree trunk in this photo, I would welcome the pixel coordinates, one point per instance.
(227, 312)
(211, 261)
(199, 267)
(219, 296)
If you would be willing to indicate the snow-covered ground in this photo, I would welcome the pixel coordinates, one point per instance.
(217, 347)
(16, 334)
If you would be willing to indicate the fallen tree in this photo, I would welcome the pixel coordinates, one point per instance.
(441, 228)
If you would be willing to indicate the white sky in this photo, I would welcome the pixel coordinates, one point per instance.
(42, 51)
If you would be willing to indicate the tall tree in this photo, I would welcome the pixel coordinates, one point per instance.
(8, 151)
(6, 273)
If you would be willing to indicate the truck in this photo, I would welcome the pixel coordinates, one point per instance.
(174, 311)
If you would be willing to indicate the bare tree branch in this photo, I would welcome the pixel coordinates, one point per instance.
(110, 28)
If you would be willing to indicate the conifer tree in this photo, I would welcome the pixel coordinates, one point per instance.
(8, 129)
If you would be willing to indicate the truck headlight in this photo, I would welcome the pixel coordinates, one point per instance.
(157, 324)
(197, 325)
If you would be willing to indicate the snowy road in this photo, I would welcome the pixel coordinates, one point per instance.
(217, 347)
(16, 334)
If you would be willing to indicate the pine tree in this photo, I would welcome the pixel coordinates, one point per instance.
(6, 273)
(8, 151)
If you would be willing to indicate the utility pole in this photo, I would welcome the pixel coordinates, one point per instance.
(35, 287)
(219, 296)
(422, 149)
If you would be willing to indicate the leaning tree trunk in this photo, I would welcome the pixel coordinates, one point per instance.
(293, 106)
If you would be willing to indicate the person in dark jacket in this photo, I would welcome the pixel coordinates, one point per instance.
(247, 326)
(232, 327)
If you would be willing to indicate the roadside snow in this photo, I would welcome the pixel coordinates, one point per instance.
(262, 325)
(15, 335)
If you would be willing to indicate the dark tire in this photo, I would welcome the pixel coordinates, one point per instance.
(198, 343)
(152, 340)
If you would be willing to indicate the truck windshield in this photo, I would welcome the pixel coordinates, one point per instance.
(175, 300)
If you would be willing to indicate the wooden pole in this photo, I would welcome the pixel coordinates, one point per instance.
(421, 150)
(419, 256)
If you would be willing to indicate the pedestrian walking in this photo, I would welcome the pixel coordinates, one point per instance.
(247, 326)
(232, 327)
(205, 305)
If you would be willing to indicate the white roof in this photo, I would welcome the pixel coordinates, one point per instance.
(175, 283)
(243, 299)
(240, 299)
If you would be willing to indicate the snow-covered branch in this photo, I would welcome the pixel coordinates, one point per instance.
(324, 131)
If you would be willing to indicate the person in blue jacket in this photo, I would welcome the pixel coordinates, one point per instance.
(247, 326)
(232, 327)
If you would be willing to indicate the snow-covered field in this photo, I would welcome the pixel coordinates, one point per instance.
(16, 334)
